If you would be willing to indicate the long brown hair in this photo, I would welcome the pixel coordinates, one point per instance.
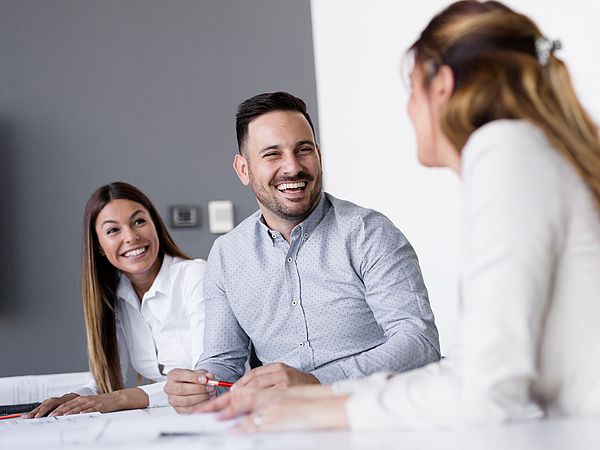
(491, 51)
(99, 281)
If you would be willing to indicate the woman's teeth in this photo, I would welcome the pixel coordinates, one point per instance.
(136, 252)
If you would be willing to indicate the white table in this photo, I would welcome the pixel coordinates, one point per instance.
(548, 434)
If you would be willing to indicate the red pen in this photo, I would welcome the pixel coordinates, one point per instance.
(218, 383)
(10, 416)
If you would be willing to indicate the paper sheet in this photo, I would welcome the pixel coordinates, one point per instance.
(70, 429)
(125, 427)
(47, 422)
(151, 428)
(36, 388)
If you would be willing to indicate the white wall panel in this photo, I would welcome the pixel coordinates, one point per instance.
(368, 144)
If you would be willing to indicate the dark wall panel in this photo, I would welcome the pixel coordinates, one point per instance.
(138, 90)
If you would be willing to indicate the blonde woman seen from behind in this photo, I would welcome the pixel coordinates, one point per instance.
(491, 100)
(142, 300)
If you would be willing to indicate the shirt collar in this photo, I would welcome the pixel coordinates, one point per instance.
(307, 226)
(161, 283)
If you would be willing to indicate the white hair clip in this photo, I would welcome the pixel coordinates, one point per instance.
(544, 47)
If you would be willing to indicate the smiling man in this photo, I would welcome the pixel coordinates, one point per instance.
(324, 289)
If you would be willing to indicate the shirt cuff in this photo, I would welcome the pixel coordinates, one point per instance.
(88, 389)
(365, 411)
(363, 407)
(328, 374)
(221, 372)
(156, 394)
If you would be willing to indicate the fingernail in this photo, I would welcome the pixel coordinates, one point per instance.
(202, 379)
(233, 388)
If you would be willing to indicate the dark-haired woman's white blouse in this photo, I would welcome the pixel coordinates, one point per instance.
(165, 330)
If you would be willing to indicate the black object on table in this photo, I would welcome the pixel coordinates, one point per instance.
(17, 409)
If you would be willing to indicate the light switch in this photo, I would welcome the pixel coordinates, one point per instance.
(220, 216)
(185, 216)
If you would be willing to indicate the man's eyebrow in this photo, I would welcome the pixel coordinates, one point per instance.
(270, 147)
(305, 142)
(298, 144)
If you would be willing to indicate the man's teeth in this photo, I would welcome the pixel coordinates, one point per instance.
(296, 185)
(135, 252)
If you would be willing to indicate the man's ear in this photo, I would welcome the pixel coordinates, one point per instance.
(442, 85)
(240, 165)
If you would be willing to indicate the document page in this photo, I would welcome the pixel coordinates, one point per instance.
(151, 428)
(48, 422)
(52, 431)
(36, 388)
(124, 427)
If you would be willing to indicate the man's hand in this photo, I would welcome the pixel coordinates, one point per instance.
(185, 391)
(274, 375)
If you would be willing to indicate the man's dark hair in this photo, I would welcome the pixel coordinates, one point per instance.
(265, 103)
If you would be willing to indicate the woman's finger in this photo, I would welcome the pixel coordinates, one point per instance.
(47, 407)
(68, 406)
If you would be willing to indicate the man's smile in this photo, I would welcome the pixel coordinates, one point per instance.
(295, 186)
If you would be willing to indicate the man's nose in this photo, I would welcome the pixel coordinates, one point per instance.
(291, 164)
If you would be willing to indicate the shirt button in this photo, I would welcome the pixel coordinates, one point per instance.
(305, 235)
(290, 260)
(300, 344)
(294, 302)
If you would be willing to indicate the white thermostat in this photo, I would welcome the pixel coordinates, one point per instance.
(220, 216)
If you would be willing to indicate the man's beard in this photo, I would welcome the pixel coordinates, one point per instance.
(272, 203)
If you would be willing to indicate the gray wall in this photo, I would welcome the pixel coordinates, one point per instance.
(143, 91)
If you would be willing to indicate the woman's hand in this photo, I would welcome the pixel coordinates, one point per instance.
(291, 414)
(239, 401)
(89, 403)
(243, 400)
(74, 404)
(50, 405)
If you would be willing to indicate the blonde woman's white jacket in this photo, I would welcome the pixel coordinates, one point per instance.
(528, 334)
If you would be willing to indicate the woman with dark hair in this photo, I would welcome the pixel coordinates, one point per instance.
(142, 301)
(490, 100)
